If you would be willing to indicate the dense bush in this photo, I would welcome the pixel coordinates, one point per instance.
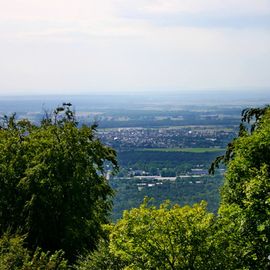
(14, 256)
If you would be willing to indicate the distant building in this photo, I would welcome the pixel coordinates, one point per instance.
(199, 172)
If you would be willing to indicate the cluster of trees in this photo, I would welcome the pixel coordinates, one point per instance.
(178, 161)
(55, 202)
(182, 191)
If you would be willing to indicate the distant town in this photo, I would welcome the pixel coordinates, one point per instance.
(172, 137)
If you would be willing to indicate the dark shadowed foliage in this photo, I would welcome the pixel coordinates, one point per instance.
(52, 182)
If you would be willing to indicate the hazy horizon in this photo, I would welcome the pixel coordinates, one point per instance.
(135, 101)
(150, 92)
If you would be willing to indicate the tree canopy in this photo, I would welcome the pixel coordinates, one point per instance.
(170, 237)
(245, 196)
(52, 182)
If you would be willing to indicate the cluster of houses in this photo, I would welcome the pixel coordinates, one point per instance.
(165, 137)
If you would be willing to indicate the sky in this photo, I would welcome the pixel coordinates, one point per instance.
(87, 46)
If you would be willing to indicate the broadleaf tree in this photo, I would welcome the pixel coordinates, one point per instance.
(245, 198)
(52, 182)
(168, 237)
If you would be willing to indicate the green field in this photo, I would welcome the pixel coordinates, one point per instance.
(189, 150)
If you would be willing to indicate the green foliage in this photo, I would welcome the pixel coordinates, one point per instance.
(12, 253)
(102, 258)
(169, 237)
(52, 182)
(14, 256)
(245, 205)
(46, 261)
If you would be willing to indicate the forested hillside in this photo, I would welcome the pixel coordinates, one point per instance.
(55, 204)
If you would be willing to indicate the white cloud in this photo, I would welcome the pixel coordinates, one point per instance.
(114, 44)
(73, 18)
(198, 6)
(61, 10)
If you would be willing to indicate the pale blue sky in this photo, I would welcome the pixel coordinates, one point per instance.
(85, 46)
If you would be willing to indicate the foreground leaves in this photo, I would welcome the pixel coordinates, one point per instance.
(14, 256)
